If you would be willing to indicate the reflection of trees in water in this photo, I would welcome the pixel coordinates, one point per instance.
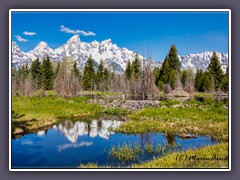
(99, 123)
(170, 139)
(145, 138)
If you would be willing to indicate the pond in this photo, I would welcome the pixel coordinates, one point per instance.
(71, 143)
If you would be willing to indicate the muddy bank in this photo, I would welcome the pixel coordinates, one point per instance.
(20, 127)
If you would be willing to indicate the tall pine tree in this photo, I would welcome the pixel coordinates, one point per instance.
(136, 67)
(215, 71)
(174, 61)
(88, 75)
(99, 78)
(47, 74)
(35, 70)
(128, 70)
(184, 78)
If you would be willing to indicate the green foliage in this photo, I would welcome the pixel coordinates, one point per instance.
(76, 71)
(124, 152)
(224, 84)
(36, 74)
(47, 74)
(202, 81)
(172, 78)
(100, 76)
(215, 71)
(174, 61)
(106, 77)
(156, 72)
(191, 116)
(57, 70)
(170, 68)
(51, 107)
(171, 160)
(184, 78)
(89, 75)
(136, 67)
(128, 70)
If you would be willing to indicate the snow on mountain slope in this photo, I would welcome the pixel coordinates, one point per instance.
(112, 55)
(18, 57)
(202, 60)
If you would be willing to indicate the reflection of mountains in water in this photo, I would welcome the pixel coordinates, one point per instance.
(72, 130)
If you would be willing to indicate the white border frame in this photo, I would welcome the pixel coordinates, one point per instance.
(118, 10)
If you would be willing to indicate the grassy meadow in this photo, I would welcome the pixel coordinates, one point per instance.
(200, 116)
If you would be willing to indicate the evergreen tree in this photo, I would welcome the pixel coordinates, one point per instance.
(215, 71)
(156, 72)
(206, 81)
(76, 71)
(36, 73)
(99, 78)
(47, 74)
(164, 71)
(172, 78)
(198, 80)
(88, 75)
(202, 81)
(57, 70)
(136, 66)
(106, 75)
(174, 61)
(169, 72)
(128, 70)
(224, 84)
(184, 78)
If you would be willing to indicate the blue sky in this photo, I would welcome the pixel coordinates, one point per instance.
(143, 32)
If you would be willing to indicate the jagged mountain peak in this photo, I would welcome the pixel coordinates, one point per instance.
(14, 43)
(106, 41)
(74, 39)
(111, 54)
(202, 60)
(41, 44)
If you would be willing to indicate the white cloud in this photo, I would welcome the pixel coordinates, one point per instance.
(20, 39)
(27, 142)
(81, 144)
(77, 31)
(29, 33)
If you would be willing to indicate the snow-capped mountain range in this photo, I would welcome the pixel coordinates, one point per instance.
(202, 60)
(112, 55)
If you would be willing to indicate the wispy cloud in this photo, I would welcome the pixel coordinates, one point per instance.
(20, 39)
(26, 142)
(77, 31)
(81, 144)
(29, 33)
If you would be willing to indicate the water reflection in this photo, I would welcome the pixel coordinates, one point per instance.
(171, 138)
(71, 143)
(95, 128)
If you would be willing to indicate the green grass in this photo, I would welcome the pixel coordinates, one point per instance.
(35, 112)
(215, 156)
(172, 160)
(124, 152)
(200, 118)
(52, 107)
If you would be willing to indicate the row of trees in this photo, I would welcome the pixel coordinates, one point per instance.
(213, 79)
(138, 81)
(209, 81)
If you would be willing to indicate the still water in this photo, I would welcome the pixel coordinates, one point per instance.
(71, 143)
